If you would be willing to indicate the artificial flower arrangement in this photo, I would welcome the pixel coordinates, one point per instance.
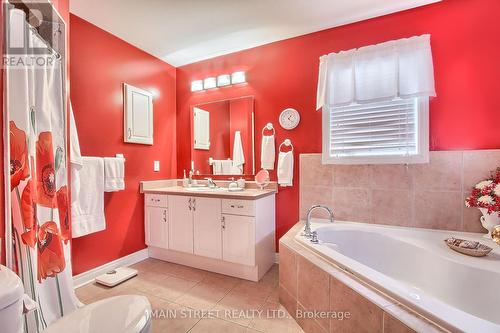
(486, 194)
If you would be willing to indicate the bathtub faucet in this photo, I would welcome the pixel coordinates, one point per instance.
(307, 229)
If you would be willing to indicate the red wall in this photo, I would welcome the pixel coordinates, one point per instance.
(100, 63)
(219, 137)
(466, 51)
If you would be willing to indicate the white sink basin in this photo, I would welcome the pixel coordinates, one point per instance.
(204, 189)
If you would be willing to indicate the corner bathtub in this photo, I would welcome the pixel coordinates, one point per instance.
(416, 268)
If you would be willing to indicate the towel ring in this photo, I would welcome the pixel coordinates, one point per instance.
(268, 127)
(287, 143)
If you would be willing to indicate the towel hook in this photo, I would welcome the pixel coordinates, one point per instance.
(287, 143)
(269, 127)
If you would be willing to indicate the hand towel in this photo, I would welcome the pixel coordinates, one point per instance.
(75, 158)
(268, 152)
(227, 167)
(285, 168)
(217, 167)
(88, 211)
(238, 155)
(114, 174)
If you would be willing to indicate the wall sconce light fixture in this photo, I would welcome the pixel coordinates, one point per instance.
(238, 77)
(222, 80)
(209, 83)
(197, 85)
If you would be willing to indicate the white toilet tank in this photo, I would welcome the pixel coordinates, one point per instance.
(11, 301)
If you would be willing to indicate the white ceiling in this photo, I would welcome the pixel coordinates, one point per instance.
(185, 31)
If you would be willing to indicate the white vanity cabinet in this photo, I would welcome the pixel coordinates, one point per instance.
(229, 236)
(156, 220)
(207, 231)
(180, 231)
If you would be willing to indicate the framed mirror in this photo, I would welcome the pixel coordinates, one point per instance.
(223, 137)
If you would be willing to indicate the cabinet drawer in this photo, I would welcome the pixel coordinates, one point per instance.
(238, 207)
(156, 200)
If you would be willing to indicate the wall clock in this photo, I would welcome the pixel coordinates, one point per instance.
(289, 118)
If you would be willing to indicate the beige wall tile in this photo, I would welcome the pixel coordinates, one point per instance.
(443, 173)
(365, 316)
(391, 207)
(313, 288)
(309, 325)
(288, 270)
(392, 325)
(396, 177)
(312, 195)
(438, 210)
(471, 222)
(351, 175)
(288, 301)
(313, 173)
(351, 204)
(477, 166)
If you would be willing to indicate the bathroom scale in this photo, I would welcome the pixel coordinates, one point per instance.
(116, 276)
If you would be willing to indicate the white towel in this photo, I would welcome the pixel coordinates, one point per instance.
(217, 167)
(75, 158)
(227, 167)
(268, 152)
(88, 211)
(238, 155)
(114, 174)
(285, 168)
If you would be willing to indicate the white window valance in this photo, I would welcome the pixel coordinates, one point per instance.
(396, 69)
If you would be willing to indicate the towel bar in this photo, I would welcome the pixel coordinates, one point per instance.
(287, 143)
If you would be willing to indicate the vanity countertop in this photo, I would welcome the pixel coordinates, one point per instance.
(247, 194)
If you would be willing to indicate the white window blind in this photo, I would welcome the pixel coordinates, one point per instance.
(383, 132)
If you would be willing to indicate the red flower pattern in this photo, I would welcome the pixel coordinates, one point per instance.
(50, 251)
(19, 167)
(64, 220)
(45, 172)
(28, 214)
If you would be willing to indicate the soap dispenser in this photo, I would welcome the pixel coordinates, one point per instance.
(185, 180)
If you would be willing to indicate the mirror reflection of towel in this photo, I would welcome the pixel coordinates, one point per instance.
(238, 155)
(285, 168)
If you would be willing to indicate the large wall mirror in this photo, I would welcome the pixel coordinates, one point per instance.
(223, 137)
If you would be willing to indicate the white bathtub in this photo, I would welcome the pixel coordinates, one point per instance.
(416, 268)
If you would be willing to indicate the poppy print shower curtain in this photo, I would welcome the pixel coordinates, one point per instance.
(39, 189)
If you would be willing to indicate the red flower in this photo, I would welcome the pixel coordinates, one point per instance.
(28, 214)
(50, 251)
(19, 167)
(62, 205)
(45, 173)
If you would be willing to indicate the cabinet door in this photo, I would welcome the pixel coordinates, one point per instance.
(201, 129)
(138, 115)
(157, 227)
(238, 239)
(180, 231)
(207, 227)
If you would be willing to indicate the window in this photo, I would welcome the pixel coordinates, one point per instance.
(375, 102)
(389, 132)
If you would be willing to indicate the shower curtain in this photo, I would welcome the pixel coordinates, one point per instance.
(39, 188)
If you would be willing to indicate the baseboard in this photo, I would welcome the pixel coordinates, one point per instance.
(276, 258)
(89, 276)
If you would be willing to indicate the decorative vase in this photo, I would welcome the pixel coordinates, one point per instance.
(489, 221)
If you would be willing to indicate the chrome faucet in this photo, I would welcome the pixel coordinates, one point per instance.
(210, 183)
(307, 229)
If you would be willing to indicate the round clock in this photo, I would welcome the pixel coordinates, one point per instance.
(289, 119)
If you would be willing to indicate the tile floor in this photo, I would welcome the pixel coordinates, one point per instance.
(186, 299)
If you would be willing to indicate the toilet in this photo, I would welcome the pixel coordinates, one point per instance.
(127, 314)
